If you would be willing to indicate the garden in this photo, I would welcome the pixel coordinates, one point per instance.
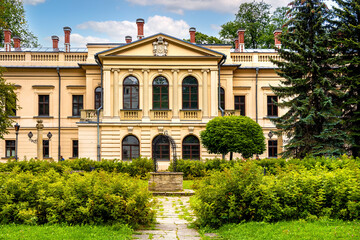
(238, 199)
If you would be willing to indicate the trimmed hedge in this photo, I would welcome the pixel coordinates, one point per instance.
(244, 193)
(74, 198)
(137, 167)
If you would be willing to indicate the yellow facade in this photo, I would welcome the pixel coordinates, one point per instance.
(78, 73)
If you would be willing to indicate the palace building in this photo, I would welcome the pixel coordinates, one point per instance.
(113, 100)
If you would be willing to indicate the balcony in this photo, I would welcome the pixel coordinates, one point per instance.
(88, 115)
(190, 114)
(160, 115)
(230, 113)
(131, 114)
(251, 59)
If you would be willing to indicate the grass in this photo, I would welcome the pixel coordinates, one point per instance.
(322, 229)
(60, 232)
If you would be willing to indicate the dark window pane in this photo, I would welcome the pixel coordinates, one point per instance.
(131, 93)
(191, 147)
(130, 148)
(43, 105)
(272, 148)
(77, 104)
(75, 148)
(46, 148)
(271, 106)
(9, 148)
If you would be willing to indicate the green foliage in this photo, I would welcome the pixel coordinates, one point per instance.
(12, 16)
(7, 104)
(244, 193)
(73, 198)
(201, 38)
(346, 23)
(309, 87)
(233, 134)
(137, 167)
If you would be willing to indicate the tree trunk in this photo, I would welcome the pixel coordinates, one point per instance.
(231, 155)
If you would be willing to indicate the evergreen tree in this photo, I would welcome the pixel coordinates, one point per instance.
(347, 39)
(309, 86)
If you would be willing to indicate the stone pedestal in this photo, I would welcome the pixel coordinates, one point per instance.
(166, 181)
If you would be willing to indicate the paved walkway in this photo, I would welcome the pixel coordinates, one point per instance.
(173, 216)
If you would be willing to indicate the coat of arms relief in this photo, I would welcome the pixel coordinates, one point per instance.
(160, 47)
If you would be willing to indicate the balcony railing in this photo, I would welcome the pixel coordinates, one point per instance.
(254, 58)
(160, 114)
(230, 113)
(131, 114)
(190, 115)
(88, 115)
(47, 57)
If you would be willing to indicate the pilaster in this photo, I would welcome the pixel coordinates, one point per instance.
(116, 92)
(107, 93)
(176, 94)
(145, 99)
(205, 93)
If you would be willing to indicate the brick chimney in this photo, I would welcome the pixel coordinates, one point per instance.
(236, 41)
(67, 31)
(140, 26)
(7, 40)
(128, 39)
(241, 39)
(277, 32)
(192, 32)
(17, 43)
(55, 41)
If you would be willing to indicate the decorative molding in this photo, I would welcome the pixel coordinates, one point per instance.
(242, 87)
(160, 47)
(145, 70)
(130, 129)
(191, 129)
(175, 70)
(160, 70)
(43, 86)
(131, 70)
(161, 129)
(75, 86)
(205, 70)
(189, 70)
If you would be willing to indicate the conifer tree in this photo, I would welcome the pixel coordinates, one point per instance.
(347, 38)
(308, 89)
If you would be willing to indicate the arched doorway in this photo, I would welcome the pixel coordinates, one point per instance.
(161, 150)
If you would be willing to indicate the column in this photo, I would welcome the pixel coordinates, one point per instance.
(205, 93)
(214, 93)
(176, 95)
(107, 93)
(89, 103)
(39, 127)
(145, 99)
(116, 92)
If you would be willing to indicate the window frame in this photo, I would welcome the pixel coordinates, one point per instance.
(240, 105)
(272, 109)
(75, 148)
(97, 97)
(161, 86)
(11, 147)
(46, 148)
(190, 146)
(162, 146)
(222, 98)
(44, 105)
(78, 106)
(132, 87)
(191, 87)
(131, 148)
(273, 148)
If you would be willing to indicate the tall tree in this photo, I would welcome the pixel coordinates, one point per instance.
(347, 46)
(7, 104)
(309, 86)
(202, 38)
(12, 16)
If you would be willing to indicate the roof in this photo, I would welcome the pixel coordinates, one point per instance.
(47, 49)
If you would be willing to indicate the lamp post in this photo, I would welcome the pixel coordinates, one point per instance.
(17, 128)
(39, 140)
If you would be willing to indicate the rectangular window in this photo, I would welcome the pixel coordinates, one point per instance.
(43, 105)
(9, 148)
(272, 109)
(75, 147)
(46, 149)
(272, 148)
(77, 105)
(240, 104)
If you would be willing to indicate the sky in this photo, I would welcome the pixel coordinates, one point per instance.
(94, 21)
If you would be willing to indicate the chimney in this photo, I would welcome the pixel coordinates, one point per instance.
(241, 39)
(140, 26)
(17, 41)
(128, 39)
(192, 32)
(7, 40)
(55, 40)
(277, 32)
(236, 40)
(67, 31)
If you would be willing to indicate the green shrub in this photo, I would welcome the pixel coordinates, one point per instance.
(244, 193)
(73, 198)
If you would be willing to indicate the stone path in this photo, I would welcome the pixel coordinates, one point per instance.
(172, 215)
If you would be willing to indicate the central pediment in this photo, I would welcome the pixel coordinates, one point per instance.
(160, 45)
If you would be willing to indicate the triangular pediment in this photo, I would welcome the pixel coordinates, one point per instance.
(160, 45)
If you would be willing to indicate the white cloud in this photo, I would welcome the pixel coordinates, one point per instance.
(33, 2)
(117, 30)
(215, 27)
(223, 6)
(77, 40)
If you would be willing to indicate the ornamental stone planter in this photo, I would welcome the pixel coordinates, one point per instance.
(166, 181)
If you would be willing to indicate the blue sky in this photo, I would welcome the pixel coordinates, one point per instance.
(112, 20)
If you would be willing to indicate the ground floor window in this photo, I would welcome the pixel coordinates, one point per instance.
(75, 148)
(272, 148)
(130, 148)
(191, 148)
(10, 148)
(46, 149)
(162, 148)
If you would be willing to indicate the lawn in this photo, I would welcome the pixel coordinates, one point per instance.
(322, 229)
(60, 232)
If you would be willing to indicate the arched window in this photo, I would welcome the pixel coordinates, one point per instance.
(222, 98)
(160, 93)
(130, 148)
(97, 103)
(162, 151)
(131, 93)
(190, 93)
(191, 147)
